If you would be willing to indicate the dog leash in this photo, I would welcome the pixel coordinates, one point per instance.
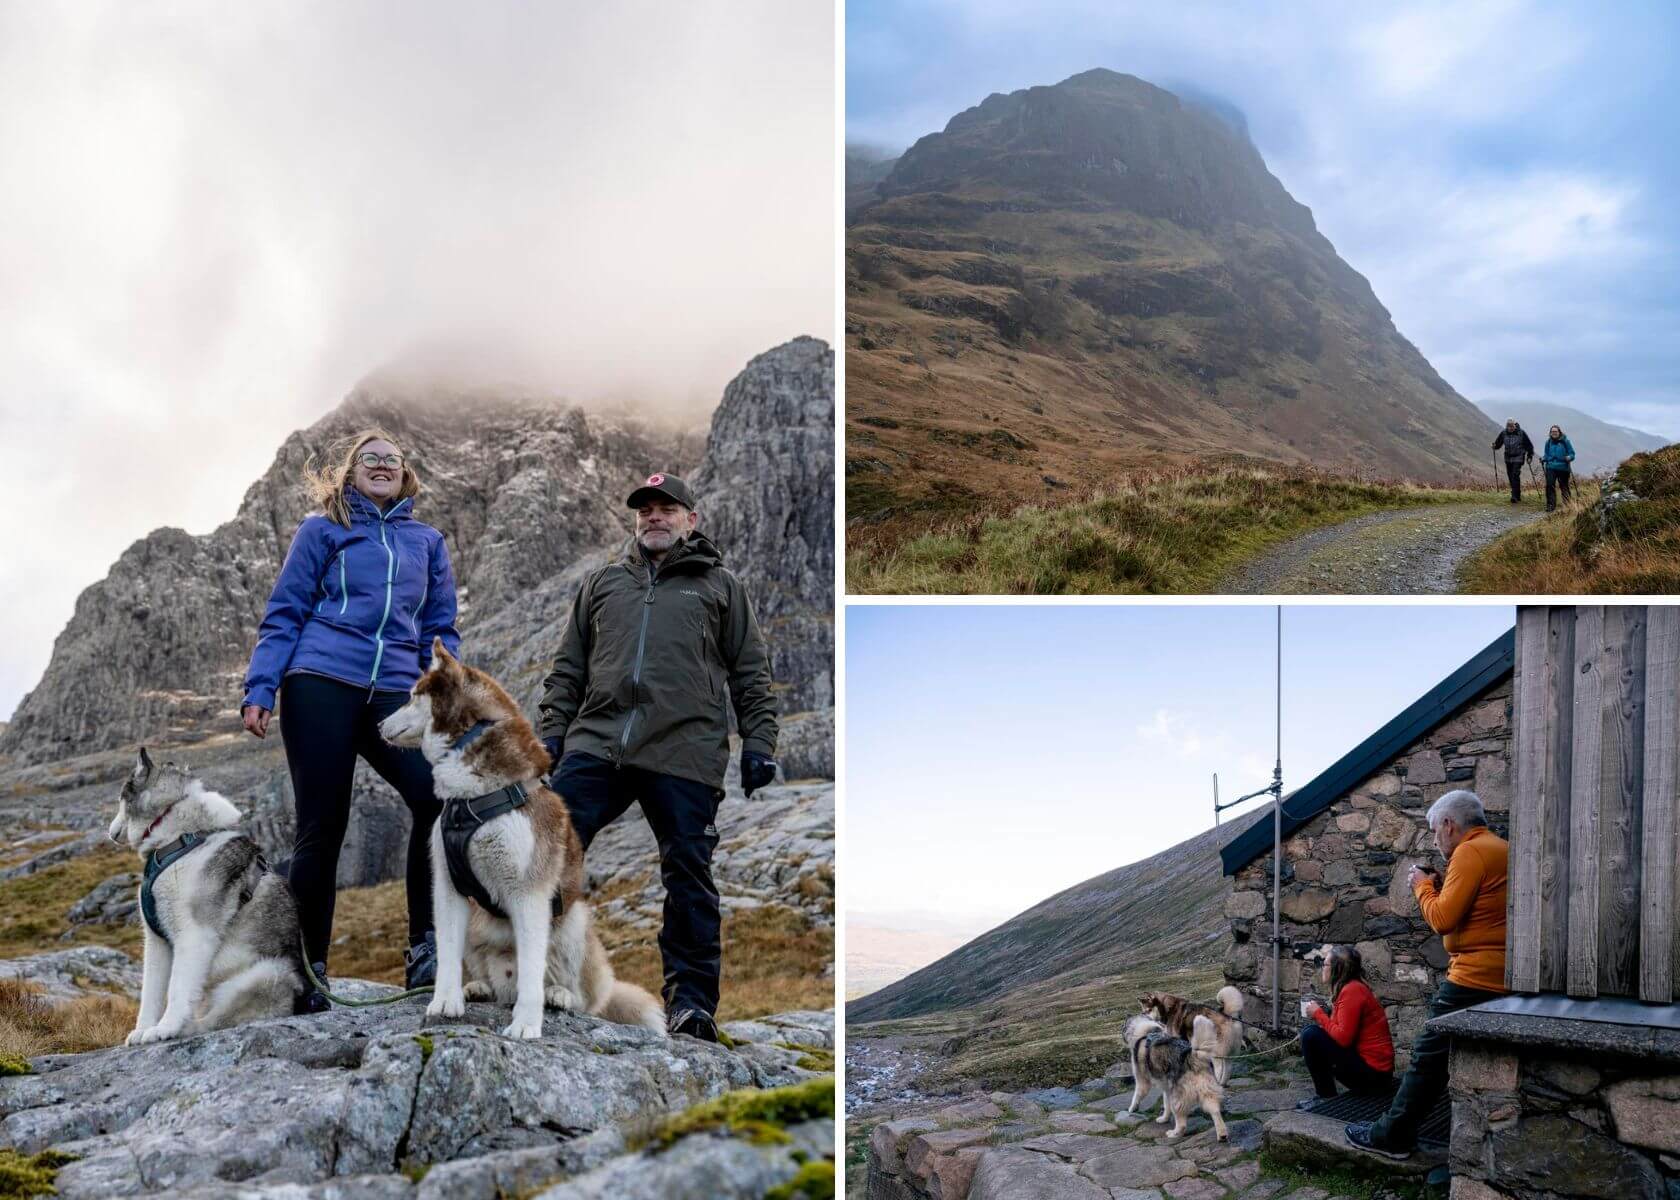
(346, 1001)
(1257, 1053)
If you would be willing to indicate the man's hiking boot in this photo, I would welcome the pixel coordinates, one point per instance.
(1359, 1136)
(421, 961)
(312, 1001)
(694, 1023)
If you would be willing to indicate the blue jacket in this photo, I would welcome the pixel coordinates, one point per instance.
(360, 604)
(1556, 456)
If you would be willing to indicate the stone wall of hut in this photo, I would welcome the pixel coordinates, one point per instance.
(1344, 874)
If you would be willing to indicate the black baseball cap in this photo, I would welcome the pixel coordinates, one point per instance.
(666, 487)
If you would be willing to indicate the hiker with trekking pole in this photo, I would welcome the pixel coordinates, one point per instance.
(1518, 450)
(1556, 457)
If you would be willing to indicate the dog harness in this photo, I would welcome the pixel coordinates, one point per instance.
(463, 816)
(157, 862)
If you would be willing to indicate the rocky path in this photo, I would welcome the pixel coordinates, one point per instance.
(1080, 1143)
(377, 1103)
(1411, 551)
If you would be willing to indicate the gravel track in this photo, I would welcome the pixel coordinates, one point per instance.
(1410, 551)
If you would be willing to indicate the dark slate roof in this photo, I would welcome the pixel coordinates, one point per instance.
(1494, 663)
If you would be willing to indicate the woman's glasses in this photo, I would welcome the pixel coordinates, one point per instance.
(370, 461)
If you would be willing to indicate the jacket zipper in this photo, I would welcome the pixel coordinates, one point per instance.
(636, 669)
(390, 576)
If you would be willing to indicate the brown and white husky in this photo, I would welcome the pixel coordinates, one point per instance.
(523, 858)
(1179, 1016)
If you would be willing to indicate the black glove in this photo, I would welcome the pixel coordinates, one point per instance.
(757, 770)
(553, 745)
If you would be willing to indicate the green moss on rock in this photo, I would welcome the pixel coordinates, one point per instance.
(811, 1058)
(755, 1114)
(815, 1181)
(30, 1174)
(11, 1064)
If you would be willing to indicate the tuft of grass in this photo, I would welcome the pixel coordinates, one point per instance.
(811, 1058)
(424, 1041)
(1178, 530)
(1342, 1181)
(761, 1116)
(1637, 552)
(30, 1174)
(815, 1181)
(31, 1024)
(33, 907)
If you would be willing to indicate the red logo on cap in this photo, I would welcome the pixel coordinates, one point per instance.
(655, 480)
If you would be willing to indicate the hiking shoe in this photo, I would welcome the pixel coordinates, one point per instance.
(1359, 1136)
(1304, 1105)
(694, 1023)
(313, 1001)
(421, 961)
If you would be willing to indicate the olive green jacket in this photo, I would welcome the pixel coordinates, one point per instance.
(640, 676)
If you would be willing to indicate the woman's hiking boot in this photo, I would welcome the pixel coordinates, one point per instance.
(421, 961)
(694, 1023)
(313, 999)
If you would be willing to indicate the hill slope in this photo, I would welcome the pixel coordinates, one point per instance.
(1161, 913)
(1071, 281)
(1599, 445)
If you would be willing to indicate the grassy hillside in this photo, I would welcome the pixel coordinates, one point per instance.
(1625, 542)
(1169, 531)
(1042, 997)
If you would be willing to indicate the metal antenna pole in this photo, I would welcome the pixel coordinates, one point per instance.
(1216, 799)
(1277, 831)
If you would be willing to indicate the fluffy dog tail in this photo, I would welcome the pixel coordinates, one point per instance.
(630, 1005)
(1231, 1000)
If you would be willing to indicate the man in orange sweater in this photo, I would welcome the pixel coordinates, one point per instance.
(1468, 911)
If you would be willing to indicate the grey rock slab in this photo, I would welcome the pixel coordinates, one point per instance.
(355, 1187)
(1075, 1146)
(1264, 1100)
(1133, 1164)
(701, 1167)
(1056, 1097)
(519, 1172)
(1015, 1174)
(1194, 1189)
(801, 1028)
(67, 974)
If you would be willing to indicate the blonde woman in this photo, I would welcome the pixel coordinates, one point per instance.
(363, 591)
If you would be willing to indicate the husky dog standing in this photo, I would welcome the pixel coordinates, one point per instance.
(1179, 1016)
(222, 944)
(523, 858)
(1183, 1070)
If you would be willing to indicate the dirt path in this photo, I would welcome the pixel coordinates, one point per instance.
(1411, 551)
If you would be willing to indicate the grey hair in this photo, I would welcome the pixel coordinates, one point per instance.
(1465, 809)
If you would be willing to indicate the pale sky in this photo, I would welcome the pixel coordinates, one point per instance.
(216, 218)
(997, 754)
(1502, 172)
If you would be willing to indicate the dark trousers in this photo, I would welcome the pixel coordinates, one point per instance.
(1513, 472)
(326, 725)
(1425, 1080)
(1328, 1062)
(683, 815)
(1556, 478)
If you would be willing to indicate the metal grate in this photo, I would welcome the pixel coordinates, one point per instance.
(1432, 1134)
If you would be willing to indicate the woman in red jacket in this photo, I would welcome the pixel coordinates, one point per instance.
(1351, 1043)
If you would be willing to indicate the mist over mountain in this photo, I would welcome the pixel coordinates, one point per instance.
(1095, 276)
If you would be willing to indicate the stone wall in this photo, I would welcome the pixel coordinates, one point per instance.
(1539, 1120)
(1344, 874)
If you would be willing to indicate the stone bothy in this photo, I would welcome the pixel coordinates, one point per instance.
(1349, 837)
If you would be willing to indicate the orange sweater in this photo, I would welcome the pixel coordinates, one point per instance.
(1468, 910)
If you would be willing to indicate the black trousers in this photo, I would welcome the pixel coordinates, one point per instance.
(1425, 1080)
(1327, 1062)
(325, 725)
(1513, 472)
(1556, 478)
(683, 816)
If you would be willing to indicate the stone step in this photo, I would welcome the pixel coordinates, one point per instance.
(1314, 1142)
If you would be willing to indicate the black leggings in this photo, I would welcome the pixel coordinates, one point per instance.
(325, 724)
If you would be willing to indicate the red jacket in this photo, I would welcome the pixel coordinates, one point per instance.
(1359, 1021)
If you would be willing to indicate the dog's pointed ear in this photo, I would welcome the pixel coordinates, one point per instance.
(441, 656)
(1143, 1003)
(142, 766)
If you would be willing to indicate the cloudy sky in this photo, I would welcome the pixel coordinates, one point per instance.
(216, 218)
(998, 754)
(1503, 172)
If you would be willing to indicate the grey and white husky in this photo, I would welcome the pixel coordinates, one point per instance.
(226, 949)
(1182, 1069)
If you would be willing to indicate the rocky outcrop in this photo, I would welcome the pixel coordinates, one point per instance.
(68, 974)
(376, 1103)
(529, 495)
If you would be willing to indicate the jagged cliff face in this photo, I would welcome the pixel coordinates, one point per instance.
(1078, 279)
(529, 495)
